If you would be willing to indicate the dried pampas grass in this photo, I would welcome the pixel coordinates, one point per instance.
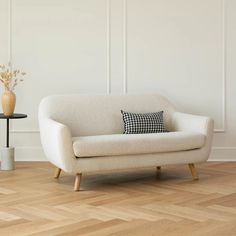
(10, 78)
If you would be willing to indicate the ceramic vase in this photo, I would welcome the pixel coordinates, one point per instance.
(8, 102)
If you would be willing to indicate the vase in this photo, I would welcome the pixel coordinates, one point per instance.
(8, 103)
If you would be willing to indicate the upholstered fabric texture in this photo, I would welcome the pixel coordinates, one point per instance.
(120, 144)
(100, 114)
(142, 123)
(88, 117)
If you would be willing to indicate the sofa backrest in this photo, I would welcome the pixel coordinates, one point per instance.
(101, 114)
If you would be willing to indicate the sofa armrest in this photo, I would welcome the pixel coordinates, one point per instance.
(57, 143)
(188, 122)
(201, 124)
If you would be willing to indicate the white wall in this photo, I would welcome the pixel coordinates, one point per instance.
(183, 49)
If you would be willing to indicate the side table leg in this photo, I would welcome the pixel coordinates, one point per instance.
(7, 133)
(7, 158)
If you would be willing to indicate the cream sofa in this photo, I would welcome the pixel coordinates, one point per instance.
(84, 133)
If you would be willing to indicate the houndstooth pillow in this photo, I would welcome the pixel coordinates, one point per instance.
(138, 123)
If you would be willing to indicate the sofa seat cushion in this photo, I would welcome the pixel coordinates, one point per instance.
(129, 144)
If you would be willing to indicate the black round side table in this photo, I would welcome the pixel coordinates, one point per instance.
(7, 153)
(14, 116)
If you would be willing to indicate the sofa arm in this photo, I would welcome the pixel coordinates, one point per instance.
(57, 144)
(201, 124)
(188, 122)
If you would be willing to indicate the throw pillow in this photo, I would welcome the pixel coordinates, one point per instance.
(139, 123)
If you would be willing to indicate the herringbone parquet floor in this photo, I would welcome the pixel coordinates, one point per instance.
(140, 202)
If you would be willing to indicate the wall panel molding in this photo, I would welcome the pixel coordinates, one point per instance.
(110, 15)
(108, 29)
(125, 63)
(125, 80)
(224, 75)
(108, 54)
(10, 32)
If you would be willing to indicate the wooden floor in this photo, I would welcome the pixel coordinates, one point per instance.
(139, 202)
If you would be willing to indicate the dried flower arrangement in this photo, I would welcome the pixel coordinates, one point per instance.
(10, 78)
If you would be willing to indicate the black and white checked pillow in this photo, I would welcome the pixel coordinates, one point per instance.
(139, 123)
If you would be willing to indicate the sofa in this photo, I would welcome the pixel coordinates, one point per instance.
(84, 133)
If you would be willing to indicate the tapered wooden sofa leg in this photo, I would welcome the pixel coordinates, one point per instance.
(193, 171)
(77, 181)
(57, 173)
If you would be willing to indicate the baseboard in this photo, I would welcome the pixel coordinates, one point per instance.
(223, 154)
(37, 154)
(29, 154)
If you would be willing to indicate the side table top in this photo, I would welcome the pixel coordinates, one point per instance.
(13, 116)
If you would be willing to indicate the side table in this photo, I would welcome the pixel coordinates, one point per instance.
(7, 152)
